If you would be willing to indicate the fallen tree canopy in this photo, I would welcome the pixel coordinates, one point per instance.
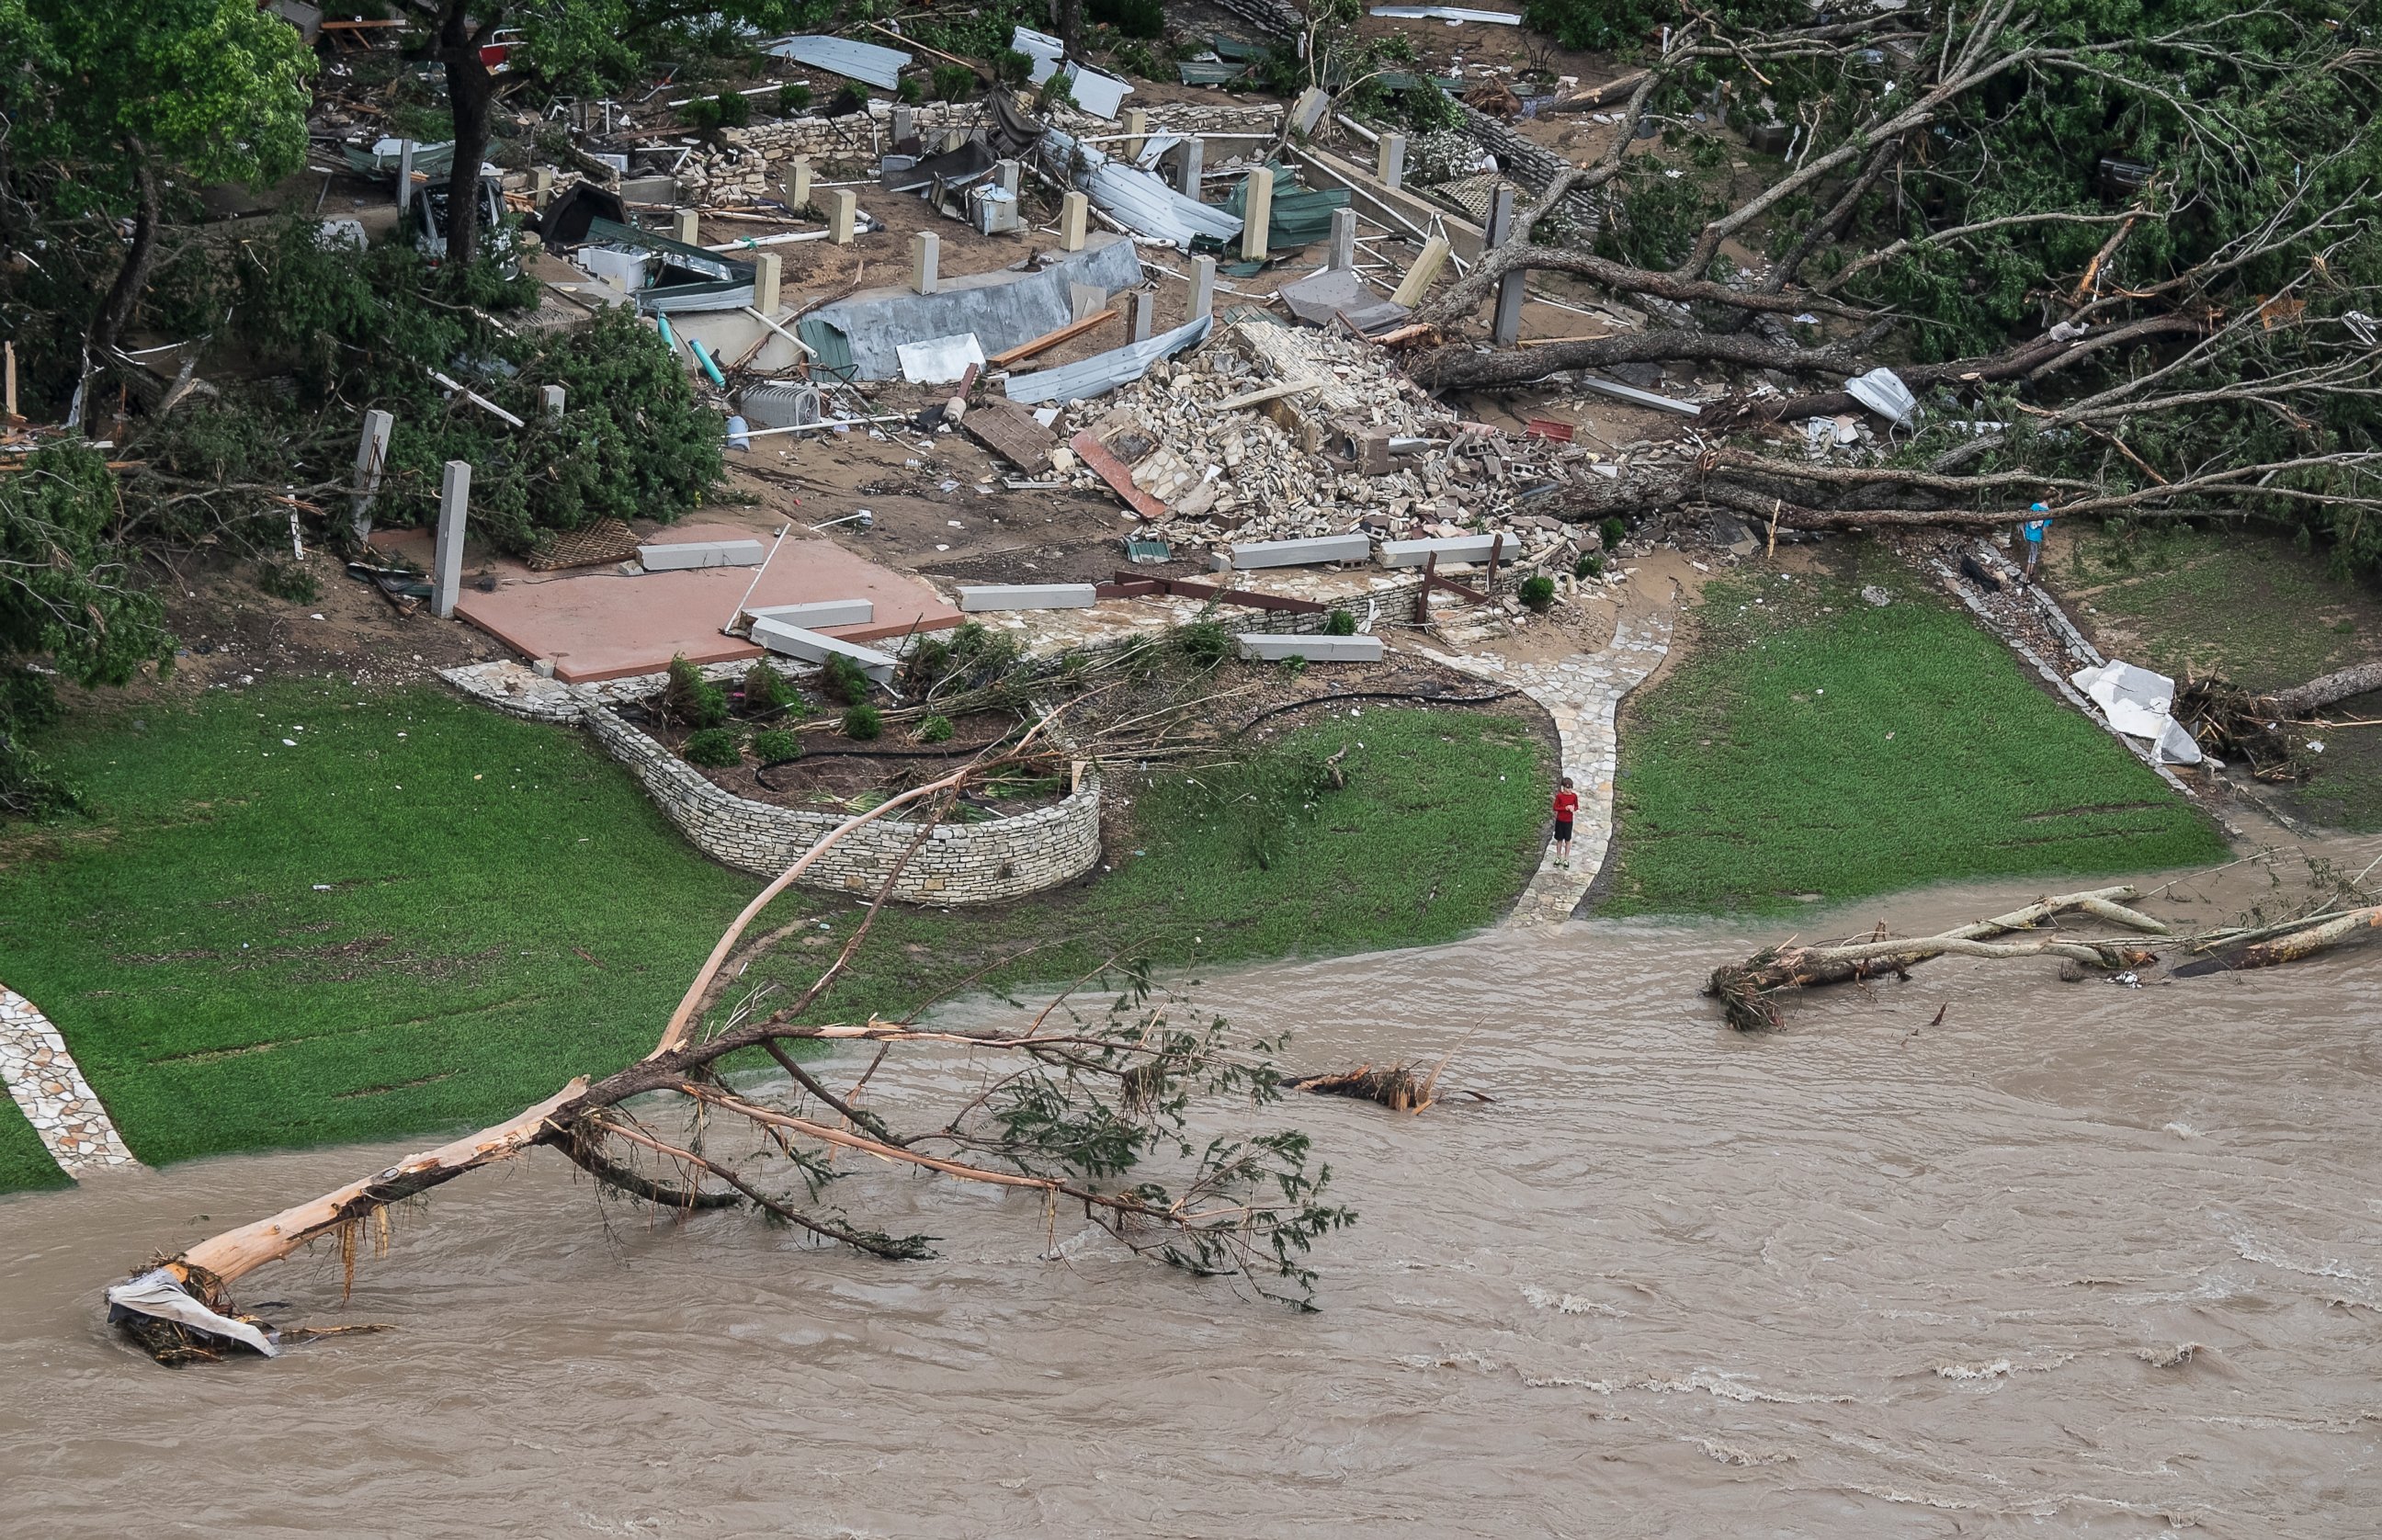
(2123, 263)
(1752, 992)
(1094, 1111)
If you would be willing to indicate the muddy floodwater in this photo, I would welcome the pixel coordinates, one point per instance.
(2081, 1260)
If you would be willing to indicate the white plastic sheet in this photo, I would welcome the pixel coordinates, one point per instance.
(156, 1293)
(2137, 703)
(939, 360)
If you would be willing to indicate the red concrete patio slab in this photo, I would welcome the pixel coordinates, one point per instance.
(599, 624)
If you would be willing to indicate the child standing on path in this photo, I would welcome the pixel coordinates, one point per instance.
(2034, 527)
(1566, 804)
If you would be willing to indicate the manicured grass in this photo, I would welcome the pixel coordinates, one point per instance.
(1812, 746)
(297, 913)
(24, 1164)
(416, 914)
(1437, 829)
(2258, 610)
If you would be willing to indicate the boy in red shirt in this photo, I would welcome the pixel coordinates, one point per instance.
(1566, 804)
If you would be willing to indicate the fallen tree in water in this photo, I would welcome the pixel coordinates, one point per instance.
(1093, 1113)
(1751, 992)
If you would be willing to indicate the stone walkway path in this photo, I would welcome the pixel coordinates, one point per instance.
(57, 1101)
(1583, 693)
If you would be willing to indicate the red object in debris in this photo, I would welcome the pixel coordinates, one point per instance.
(1115, 471)
(1547, 427)
(495, 54)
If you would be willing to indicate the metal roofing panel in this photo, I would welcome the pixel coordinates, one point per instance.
(860, 61)
(1140, 200)
(1102, 372)
(1453, 15)
(831, 349)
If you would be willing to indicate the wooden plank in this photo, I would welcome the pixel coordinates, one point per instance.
(1049, 341)
(1253, 397)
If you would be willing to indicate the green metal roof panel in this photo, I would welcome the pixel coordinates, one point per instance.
(831, 349)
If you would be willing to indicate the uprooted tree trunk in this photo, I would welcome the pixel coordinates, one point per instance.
(1077, 1114)
(2305, 700)
(1750, 992)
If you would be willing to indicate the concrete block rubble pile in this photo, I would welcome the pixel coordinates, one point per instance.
(1351, 445)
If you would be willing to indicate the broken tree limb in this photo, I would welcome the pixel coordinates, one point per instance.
(2307, 699)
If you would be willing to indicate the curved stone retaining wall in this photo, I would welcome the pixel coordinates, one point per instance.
(960, 863)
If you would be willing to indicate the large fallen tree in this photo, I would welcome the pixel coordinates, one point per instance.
(2124, 265)
(1091, 1110)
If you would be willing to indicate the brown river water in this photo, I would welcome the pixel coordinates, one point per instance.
(2081, 1260)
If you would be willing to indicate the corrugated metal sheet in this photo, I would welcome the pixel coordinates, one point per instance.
(1139, 201)
(1102, 372)
(831, 349)
(860, 61)
(1042, 48)
(1301, 216)
(1199, 72)
(1454, 15)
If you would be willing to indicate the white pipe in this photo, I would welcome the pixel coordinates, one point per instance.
(827, 422)
(801, 348)
(476, 398)
(758, 575)
(786, 239)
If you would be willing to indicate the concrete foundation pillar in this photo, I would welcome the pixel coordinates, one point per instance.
(1145, 315)
(905, 126)
(768, 275)
(1136, 133)
(795, 191)
(686, 228)
(551, 399)
(926, 252)
(1186, 158)
(1008, 177)
(843, 214)
(447, 561)
(1203, 288)
(540, 189)
(404, 176)
(372, 453)
(1075, 212)
(1507, 325)
(1389, 161)
(1257, 210)
(1343, 238)
(1419, 277)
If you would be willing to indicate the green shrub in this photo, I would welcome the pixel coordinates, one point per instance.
(841, 681)
(1012, 68)
(1205, 643)
(954, 82)
(287, 580)
(935, 730)
(793, 99)
(1340, 622)
(1612, 532)
(688, 700)
(1134, 18)
(910, 92)
(728, 110)
(765, 690)
(777, 745)
(863, 723)
(1537, 592)
(716, 747)
(1597, 24)
(1589, 566)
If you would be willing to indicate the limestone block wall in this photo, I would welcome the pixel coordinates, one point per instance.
(961, 863)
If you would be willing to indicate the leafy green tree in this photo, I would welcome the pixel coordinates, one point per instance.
(195, 91)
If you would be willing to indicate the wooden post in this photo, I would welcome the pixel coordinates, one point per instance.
(1137, 130)
(11, 405)
(1419, 277)
(404, 176)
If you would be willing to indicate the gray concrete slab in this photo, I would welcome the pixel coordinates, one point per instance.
(822, 612)
(701, 553)
(1462, 548)
(978, 599)
(1250, 555)
(1272, 646)
(809, 646)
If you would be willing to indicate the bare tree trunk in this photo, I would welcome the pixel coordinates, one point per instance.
(132, 278)
(1459, 367)
(2315, 695)
(471, 92)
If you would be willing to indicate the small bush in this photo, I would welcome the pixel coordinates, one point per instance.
(954, 82)
(777, 745)
(716, 747)
(935, 730)
(910, 93)
(1589, 566)
(1537, 592)
(1340, 622)
(1205, 643)
(689, 700)
(1012, 68)
(1612, 532)
(841, 681)
(863, 723)
(793, 99)
(728, 110)
(765, 690)
(288, 580)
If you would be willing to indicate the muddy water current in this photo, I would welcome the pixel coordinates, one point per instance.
(2079, 1260)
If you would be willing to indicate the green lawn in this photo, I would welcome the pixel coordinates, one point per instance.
(299, 914)
(1811, 746)
(2255, 610)
(23, 1162)
(1437, 830)
(414, 914)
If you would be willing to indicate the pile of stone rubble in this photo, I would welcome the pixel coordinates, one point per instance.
(1354, 446)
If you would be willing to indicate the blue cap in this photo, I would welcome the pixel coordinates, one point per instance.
(2039, 508)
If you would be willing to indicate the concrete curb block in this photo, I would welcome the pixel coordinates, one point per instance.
(1314, 647)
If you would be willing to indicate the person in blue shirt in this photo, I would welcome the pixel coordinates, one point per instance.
(2034, 527)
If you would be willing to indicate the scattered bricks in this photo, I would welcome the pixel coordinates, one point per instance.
(700, 553)
(1465, 547)
(821, 612)
(796, 642)
(1299, 553)
(980, 599)
(1314, 649)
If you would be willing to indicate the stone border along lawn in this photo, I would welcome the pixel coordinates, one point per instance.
(2254, 608)
(1809, 746)
(299, 914)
